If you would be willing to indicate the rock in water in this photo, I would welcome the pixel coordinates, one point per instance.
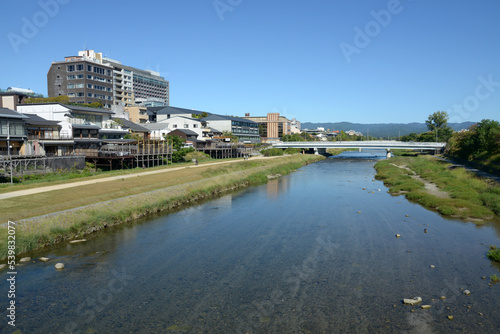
(77, 241)
(44, 259)
(25, 259)
(59, 266)
(398, 235)
(425, 307)
(466, 292)
(412, 301)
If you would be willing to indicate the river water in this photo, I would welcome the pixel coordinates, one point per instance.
(311, 252)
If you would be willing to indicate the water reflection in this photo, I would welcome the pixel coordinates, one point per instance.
(276, 187)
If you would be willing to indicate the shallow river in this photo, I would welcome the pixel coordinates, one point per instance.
(312, 252)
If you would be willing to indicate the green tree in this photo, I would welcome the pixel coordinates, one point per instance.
(411, 137)
(61, 99)
(226, 133)
(133, 136)
(438, 124)
(294, 137)
(177, 142)
(480, 141)
(488, 135)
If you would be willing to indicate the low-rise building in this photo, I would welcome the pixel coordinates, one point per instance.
(71, 117)
(12, 131)
(247, 131)
(186, 123)
(11, 100)
(272, 127)
(133, 128)
(45, 138)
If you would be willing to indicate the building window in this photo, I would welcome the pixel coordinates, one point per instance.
(70, 77)
(89, 68)
(174, 126)
(186, 126)
(80, 94)
(195, 126)
(80, 85)
(89, 94)
(71, 86)
(79, 76)
(89, 86)
(70, 68)
(79, 67)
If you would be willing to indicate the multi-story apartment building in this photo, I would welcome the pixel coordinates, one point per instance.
(133, 83)
(90, 77)
(83, 78)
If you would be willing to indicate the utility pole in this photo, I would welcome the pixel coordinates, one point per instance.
(8, 150)
(435, 152)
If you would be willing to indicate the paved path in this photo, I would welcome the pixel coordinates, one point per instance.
(111, 178)
(478, 172)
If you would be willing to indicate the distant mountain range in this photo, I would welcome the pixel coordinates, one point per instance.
(383, 130)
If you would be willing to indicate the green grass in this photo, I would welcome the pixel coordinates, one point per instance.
(494, 254)
(470, 196)
(87, 174)
(45, 231)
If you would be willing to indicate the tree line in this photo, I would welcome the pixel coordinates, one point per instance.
(479, 141)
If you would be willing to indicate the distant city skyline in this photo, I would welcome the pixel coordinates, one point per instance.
(329, 61)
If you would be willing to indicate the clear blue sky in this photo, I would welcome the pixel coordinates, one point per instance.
(304, 59)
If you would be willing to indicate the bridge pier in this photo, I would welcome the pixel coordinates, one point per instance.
(388, 153)
(359, 149)
(316, 152)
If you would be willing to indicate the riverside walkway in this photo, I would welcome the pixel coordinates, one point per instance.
(18, 193)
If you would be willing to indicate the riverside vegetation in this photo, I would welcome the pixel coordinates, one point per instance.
(49, 229)
(469, 196)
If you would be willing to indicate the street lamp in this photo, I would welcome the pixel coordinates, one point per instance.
(9, 146)
(10, 158)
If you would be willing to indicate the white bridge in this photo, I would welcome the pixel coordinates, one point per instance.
(320, 147)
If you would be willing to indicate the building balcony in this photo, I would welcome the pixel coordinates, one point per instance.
(50, 136)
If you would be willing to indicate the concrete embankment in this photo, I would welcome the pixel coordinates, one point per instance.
(51, 228)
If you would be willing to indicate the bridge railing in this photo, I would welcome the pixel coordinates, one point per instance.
(370, 144)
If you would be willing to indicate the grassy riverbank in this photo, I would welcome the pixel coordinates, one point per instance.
(148, 195)
(452, 192)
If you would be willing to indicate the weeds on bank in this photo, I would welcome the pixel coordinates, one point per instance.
(471, 197)
(494, 253)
